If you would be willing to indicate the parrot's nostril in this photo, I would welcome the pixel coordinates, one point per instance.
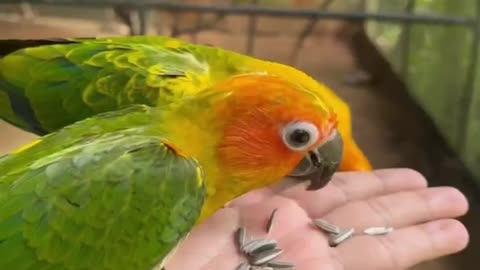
(320, 165)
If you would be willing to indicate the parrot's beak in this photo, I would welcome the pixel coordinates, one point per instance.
(320, 165)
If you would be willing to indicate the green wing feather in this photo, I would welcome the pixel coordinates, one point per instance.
(46, 85)
(117, 198)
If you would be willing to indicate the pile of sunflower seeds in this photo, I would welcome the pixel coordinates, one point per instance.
(261, 253)
(338, 235)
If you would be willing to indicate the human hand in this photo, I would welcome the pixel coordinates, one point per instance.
(422, 218)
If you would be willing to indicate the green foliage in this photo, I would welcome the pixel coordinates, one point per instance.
(437, 65)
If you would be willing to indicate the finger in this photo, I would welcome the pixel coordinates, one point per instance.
(401, 209)
(344, 187)
(403, 248)
(354, 186)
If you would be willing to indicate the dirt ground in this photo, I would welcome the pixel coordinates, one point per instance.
(388, 126)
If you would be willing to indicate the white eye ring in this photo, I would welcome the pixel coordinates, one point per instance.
(299, 136)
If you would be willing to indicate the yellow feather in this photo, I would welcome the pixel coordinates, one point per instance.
(27, 146)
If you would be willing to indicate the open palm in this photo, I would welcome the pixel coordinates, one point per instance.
(422, 218)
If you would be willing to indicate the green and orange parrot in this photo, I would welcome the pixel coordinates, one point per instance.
(48, 84)
(121, 189)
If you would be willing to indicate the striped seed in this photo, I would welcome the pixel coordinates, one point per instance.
(326, 226)
(342, 236)
(267, 268)
(281, 265)
(261, 247)
(378, 230)
(247, 247)
(241, 236)
(244, 266)
(261, 244)
(266, 256)
(271, 219)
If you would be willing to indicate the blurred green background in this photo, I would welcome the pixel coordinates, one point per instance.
(439, 64)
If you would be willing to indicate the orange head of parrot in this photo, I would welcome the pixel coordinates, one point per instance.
(270, 129)
(253, 130)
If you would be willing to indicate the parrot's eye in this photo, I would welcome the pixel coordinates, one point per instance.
(300, 136)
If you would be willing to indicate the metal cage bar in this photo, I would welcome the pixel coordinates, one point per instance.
(470, 81)
(263, 11)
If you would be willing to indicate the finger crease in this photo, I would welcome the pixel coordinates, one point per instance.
(429, 209)
(338, 184)
(431, 245)
(340, 263)
(381, 209)
(388, 247)
(382, 185)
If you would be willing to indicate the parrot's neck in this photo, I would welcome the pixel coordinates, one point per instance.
(200, 140)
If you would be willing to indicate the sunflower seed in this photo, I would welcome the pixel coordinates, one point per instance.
(241, 236)
(281, 265)
(378, 230)
(326, 226)
(271, 219)
(247, 247)
(244, 266)
(262, 246)
(258, 244)
(267, 268)
(266, 256)
(342, 236)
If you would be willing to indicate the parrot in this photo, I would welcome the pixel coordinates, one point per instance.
(122, 189)
(48, 84)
